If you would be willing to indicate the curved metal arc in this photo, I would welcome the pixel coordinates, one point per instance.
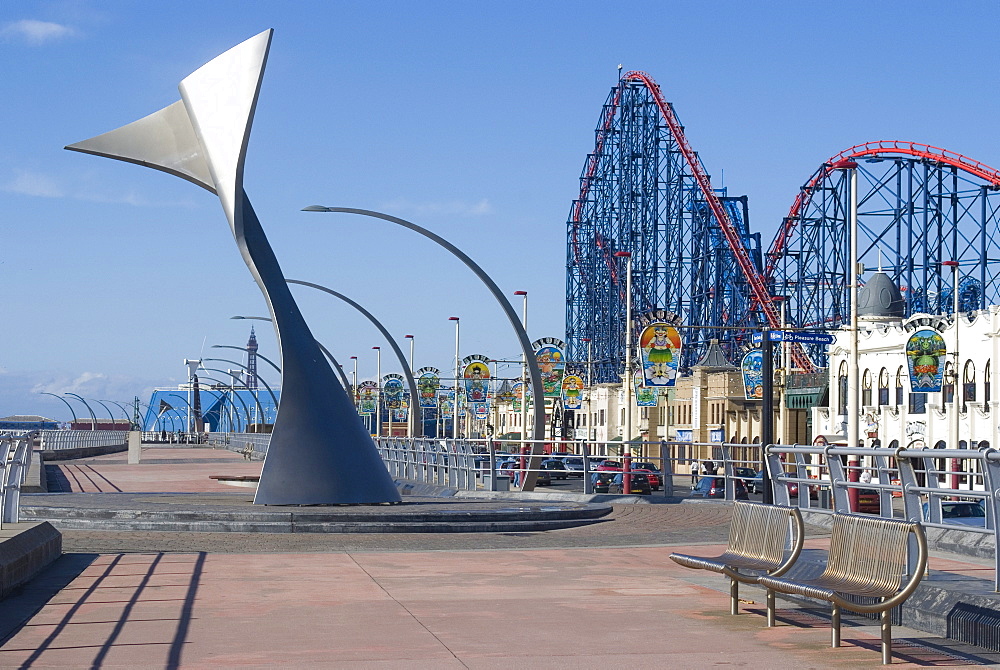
(388, 338)
(535, 373)
(240, 365)
(93, 417)
(335, 365)
(246, 408)
(122, 408)
(110, 414)
(244, 349)
(64, 401)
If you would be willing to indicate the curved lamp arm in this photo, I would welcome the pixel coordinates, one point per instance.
(515, 322)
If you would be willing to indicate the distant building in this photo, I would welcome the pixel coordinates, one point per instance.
(28, 422)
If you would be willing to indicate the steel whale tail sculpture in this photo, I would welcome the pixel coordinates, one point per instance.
(320, 452)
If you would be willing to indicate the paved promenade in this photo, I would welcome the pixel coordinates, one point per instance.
(599, 596)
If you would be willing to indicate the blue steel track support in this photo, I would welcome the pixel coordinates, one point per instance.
(638, 194)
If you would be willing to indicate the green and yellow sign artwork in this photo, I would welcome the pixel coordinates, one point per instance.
(572, 386)
(392, 391)
(645, 396)
(925, 352)
(367, 397)
(428, 383)
(446, 405)
(549, 352)
(476, 373)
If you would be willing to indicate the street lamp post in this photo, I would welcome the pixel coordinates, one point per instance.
(413, 406)
(852, 368)
(378, 394)
(524, 374)
(354, 379)
(458, 376)
(953, 423)
(627, 378)
(591, 431)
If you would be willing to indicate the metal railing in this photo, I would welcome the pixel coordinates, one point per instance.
(15, 451)
(255, 443)
(52, 440)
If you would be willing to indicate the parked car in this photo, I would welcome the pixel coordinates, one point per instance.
(654, 479)
(756, 483)
(573, 466)
(960, 513)
(609, 466)
(603, 481)
(642, 465)
(746, 474)
(638, 483)
(554, 468)
(715, 487)
(868, 502)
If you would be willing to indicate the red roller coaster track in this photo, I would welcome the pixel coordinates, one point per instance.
(881, 147)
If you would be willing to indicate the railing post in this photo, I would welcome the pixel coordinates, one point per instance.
(776, 475)
(841, 501)
(727, 471)
(667, 468)
(991, 475)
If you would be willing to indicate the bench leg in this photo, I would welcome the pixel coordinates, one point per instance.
(886, 638)
(835, 626)
(770, 608)
(734, 596)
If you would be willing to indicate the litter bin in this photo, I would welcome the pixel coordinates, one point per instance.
(502, 483)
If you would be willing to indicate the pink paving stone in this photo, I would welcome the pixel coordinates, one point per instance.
(580, 608)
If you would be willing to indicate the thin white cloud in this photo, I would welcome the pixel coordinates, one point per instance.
(34, 184)
(450, 207)
(36, 33)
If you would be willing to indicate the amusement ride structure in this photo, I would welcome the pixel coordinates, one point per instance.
(645, 191)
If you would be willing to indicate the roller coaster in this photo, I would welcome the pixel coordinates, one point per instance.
(645, 191)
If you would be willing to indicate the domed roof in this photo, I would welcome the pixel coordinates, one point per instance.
(880, 298)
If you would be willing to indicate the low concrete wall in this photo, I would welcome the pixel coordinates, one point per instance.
(82, 452)
(34, 480)
(25, 550)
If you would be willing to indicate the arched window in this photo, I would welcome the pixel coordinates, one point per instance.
(900, 376)
(842, 388)
(866, 389)
(883, 387)
(969, 382)
(948, 387)
(986, 382)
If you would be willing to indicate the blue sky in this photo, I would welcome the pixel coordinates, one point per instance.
(470, 119)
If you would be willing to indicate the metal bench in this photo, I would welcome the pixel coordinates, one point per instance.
(868, 558)
(765, 539)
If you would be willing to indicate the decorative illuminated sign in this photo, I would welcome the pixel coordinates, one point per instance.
(367, 397)
(925, 351)
(476, 373)
(753, 375)
(551, 357)
(572, 386)
(660, 350)
(428, 383)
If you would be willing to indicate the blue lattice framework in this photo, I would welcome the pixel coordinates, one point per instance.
(645, 191)
(918, 206)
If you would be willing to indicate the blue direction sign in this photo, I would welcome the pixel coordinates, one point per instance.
(805, 336)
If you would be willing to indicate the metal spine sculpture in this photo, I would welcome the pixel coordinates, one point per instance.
(320, 453)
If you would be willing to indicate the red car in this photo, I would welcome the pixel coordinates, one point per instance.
(654, 479)
(609, 466)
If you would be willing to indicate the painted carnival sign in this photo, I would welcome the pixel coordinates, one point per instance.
(445, 405)
(660, 350)
(476, 373)
(925, 351)
(572, 386)
(753, 375)
(551, 357)
(428, 383)
(392, 391)
(367, 397)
